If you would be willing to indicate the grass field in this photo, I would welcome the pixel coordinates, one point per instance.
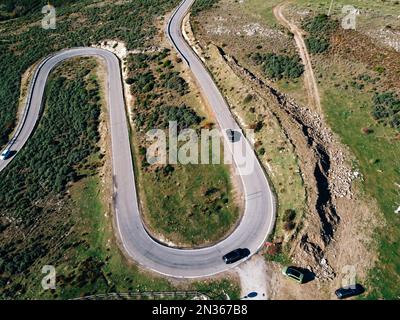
(189, 204)
(377, 155)
(262, 8)
(187, 210)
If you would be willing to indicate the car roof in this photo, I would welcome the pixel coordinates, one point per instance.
(294, 271)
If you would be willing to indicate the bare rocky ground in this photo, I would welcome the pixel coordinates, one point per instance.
(337, 228)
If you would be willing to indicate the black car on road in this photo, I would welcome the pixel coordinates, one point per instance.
(233, 135)
(350, 291)
(236, 255)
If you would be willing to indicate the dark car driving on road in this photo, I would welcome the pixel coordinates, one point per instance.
(233, 135)
(350, 291)
(5, 154)
(236, 255)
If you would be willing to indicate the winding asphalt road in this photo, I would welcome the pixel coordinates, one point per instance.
(258, 218)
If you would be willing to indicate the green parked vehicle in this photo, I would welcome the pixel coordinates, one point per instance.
(293, 273)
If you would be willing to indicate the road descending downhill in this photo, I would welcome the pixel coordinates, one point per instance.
(309, 78)
(137, 243)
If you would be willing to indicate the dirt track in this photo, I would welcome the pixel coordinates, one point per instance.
(309, 78)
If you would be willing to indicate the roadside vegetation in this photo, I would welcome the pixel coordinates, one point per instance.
(23, 42)
(56, 205)
(56, 154)
(358, 77)
(200, 5)
(386, 109)
(34, 189)
(253, 108)
(186, 204)
(274, 150)
(11, 9)
(277, 67)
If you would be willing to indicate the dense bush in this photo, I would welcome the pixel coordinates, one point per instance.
(288, 226)
(320, 24)
(317, 45)
(288, 219)
(278, 67)
(173, 81)
(320, 29)
(257, 57)
(248, 98)
(22, 260)
(142, 82)
(261, 151)
(162, 115)
(137, 61)
(154, 92)
(386, 109)
(35, 183)
(66, 136)
(289, 215)
(200, 5)
(10, 9)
